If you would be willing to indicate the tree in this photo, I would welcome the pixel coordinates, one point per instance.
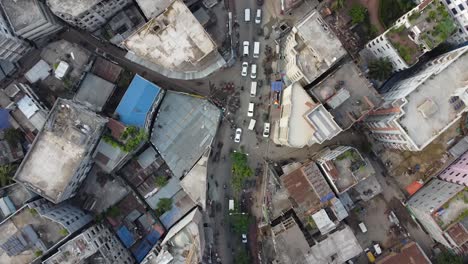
(161, 181)
(242, 257)
(357, 13)
(240, 170)
(380, 69)
(338, 4)
(448, 258)
(240, 223)
(6, 174)
(164, 205)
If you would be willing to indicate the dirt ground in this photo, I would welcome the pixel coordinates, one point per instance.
(373, 10)
(404, 165)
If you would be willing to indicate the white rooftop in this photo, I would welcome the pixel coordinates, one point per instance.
(174, 39)
(61, 69)
(27, 106)
(439, 112)
(71, 7)
(59, 149)
(323, 222)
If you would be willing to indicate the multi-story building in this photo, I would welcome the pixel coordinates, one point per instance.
(457, 171)
(11, 47)
(37, 228)
(310, 49)
(416, 110)
(420, 30)
(184, 242)
(344, 167)
(62, 151)
(440, 208)
(459, 11)
(87, 15)
(30, 19)
(96, 244)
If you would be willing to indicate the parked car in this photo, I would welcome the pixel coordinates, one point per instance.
(244, 238)
(266, 130)
(258, 17)
(253, 71)
(245, 67)
(246, 48)
(250, 111)
(237, 138)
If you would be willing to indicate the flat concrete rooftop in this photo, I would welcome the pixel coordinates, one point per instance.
(318, 47)
(22, 13)
(71, 7)
(174, 40)
(59, 149)
(94, 92)
(346, 94)
(153, 8)
(435, 93)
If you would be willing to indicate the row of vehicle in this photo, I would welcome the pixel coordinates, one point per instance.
(258, 16)
(246, 49)
(238, 134)
(245, 69)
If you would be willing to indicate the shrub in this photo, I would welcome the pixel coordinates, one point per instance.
(358, 13)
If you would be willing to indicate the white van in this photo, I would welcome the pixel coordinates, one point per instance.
(252, 124)
(253, 71)
(363, 227)
(251, 110)
(231, 205)
(256, 51)
(247, 15)
(253, 89)
(258, 17)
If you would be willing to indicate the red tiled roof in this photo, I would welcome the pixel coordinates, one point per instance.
(458, 233)
(413, 187)
(106, 70)
(411, 253)
(116, 128)
(300, 189)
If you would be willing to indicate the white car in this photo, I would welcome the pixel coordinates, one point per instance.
(244, 238)
(258, 17)
(266, 130)
(238, 135)
(246, 48)
(253, 71)
(245, 67)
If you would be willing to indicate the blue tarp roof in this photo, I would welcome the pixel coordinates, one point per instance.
(146, 245)
(125, 236)
(137, 101)
(4, 123)
(276, 86)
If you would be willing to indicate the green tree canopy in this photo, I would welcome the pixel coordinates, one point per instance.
(6, 174)
(240, 170)
(380, 69)
(448, 258)
(358, 13)
(161, 181)
(164, 205)
(12, 136)
(240, 223)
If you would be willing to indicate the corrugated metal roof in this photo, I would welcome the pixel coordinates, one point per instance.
(4, 116)
(137, 101)
(27, 106)
(39, 71)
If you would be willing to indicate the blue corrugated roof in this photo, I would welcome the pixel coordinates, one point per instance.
(4, 123)
(276, 86)
(125, 236)
(137, 101)
(142, 250)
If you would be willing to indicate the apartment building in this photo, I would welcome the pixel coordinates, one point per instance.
(30, 19)
(62, 151)
(11, 47)
(416, 109)
(89, 15)
(413, 34)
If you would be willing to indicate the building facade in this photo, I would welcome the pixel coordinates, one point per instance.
(30, 19)
(95, 243)
(439, 207)
(459, 11)
(11, 47)
(416, 110)
(87, 15)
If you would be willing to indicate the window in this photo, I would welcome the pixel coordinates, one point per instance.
(461, 7)
(454, 11)
(448, 2)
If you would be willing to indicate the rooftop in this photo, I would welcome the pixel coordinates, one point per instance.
(17, 194)
(408, 254)
(39, 71)
(71, 7)
(317, 46)
(428, 25)
(152, 9)
(452, 211)
(18, 224)
(290, 238)
(457, 171)
(183, 130)
(137, 102)
(429, 109)
(181, 205)
(347, 169)
(59, 149)
(308, 187)
(74, 251)
(347, 95)
(106, 70)
(195, 182)
(94, 92)
(174, 40)
(23, 13)
(338, 247)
